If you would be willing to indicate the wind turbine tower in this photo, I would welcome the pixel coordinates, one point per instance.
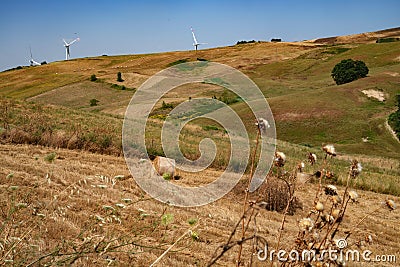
(32, 61)
(195, 43)
(67, 45)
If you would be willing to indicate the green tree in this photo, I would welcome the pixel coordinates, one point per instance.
(349, 70)
(119, 77)
(93, 78)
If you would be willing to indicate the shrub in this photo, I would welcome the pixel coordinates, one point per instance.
(245, 42)
(93, 78)
(50, 157)
(394, 119)
(119, 77)
(349, 70)
(93, 102)
(179, 61)
(387, 40)
(166, 105)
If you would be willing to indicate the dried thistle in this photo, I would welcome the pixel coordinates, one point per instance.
(353, 196)
(312, 158)
(280, 159)
(319, 206)
(300, 166)
(390, 204)
(330, 190)
(335, 213)
(355, 168)
(306, 224)
(336, 200)
(329, 150)
(263, 124)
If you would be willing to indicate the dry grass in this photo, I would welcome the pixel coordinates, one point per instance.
(73, 192)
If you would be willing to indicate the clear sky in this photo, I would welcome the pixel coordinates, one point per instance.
(135, 27)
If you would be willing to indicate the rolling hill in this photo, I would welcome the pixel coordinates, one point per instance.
(68, 197)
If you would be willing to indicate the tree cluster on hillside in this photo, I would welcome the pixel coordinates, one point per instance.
(276, 40)
(349, 70)
(387, 40)
(245, 42)
(394, 119)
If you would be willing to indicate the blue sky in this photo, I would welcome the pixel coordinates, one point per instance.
(135, 27)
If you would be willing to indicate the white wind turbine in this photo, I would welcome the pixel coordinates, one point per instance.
(32, 61)
(195, 44)
(67, 45)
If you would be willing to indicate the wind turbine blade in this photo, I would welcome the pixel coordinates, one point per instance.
(65, 42)
(30, 50)
(194, 37)
(77, 39)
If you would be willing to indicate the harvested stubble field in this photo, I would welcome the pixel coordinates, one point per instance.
(86, 208)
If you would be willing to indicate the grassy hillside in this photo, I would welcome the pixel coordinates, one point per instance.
(308, 107)
(295, 78)
(67, 196)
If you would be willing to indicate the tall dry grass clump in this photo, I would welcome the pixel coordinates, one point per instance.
(27, 123)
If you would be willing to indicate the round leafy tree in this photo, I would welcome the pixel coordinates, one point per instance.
(349, 70)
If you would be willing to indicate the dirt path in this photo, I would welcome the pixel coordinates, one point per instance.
(391, 130)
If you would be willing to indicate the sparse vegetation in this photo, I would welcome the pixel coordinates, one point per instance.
(93, 102)
(121, 87)
(394, 119)
(349, 70)
(50, 157)
(245, 42)
(165, 105)
(387, 40)
(119, 77)
(179, 61)
(93, 78)
(210, 127)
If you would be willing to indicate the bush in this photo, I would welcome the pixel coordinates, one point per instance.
(119, 77)
(394, 119)
(93, 102)
(166, 105)
(180, 61)
(93, 78)
(50, 157)
(349, 70)
(387, 40)
(245, 42)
